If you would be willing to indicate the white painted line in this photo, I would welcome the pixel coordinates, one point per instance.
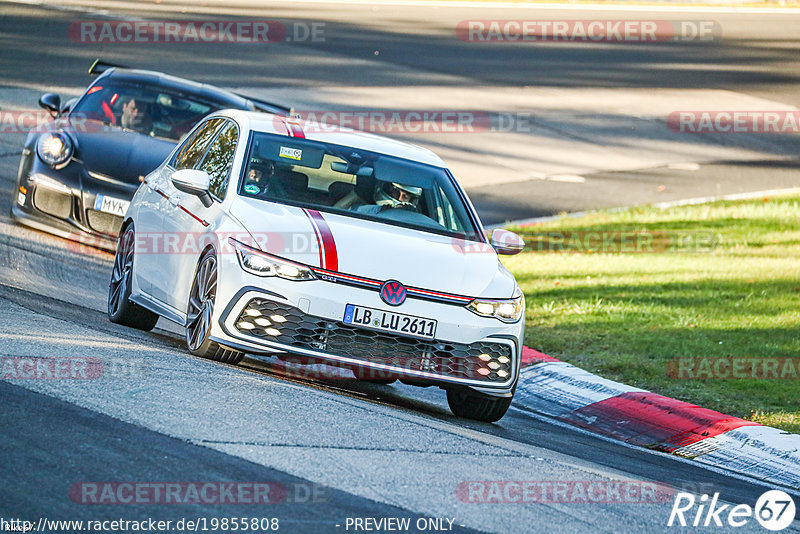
(661, 205)
(567, 178)
(688, 166)
(735, 196)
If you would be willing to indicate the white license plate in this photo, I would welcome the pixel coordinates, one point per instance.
(115, 206)
(387, 321)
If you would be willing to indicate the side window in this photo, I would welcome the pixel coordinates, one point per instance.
(219, 160)
(193, 149)
(446, 216)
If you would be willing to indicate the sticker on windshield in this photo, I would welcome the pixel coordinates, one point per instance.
(253, 189)
(291, 153)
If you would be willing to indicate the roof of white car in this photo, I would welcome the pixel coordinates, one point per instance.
(265, 122)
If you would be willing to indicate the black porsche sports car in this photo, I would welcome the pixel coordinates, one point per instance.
(78, 174)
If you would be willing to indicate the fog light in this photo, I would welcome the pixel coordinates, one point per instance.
(252, 313)
(262, 322)
(484, 357)
(483, 371)
(503, 359)
(247, 326)
(502, 374)
(494, 365)
(278, 318)
(272, 332)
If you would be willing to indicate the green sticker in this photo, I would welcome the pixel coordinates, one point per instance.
(252, 189)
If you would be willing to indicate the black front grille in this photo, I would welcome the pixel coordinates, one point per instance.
(273, 321)
(54, 203)
(102, 222)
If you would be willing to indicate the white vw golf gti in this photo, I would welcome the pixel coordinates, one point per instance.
(263, 235)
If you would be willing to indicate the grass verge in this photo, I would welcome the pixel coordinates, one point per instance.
(655, 298)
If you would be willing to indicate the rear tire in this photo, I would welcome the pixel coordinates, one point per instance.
(120, 309)
(200, 311)
(477, 406)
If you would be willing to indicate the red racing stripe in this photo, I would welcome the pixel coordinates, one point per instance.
(193, 216)
(295, 130)
(328, 244)
(319, 239)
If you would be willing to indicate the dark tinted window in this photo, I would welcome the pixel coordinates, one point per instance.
(219, 159)
(145, 109)
(355, 183)
(194, 148)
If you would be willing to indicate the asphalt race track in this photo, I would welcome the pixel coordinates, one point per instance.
(339, 449)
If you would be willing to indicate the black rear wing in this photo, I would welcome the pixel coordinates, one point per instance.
(267, 107)
(99, 67)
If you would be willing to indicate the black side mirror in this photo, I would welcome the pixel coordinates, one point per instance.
(51, 102)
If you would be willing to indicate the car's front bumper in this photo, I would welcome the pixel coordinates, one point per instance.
(61, 202)
(468, 350)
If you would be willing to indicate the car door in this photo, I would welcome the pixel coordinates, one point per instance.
(166, 234)
(188, 218)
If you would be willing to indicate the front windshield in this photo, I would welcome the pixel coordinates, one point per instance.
(143, 109)
(356, 183)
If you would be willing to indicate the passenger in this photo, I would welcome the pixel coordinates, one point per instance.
(257, 180)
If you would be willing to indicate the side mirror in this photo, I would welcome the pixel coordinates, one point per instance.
(52, 103)
(193, 182)
(68, 105)
(508, 243)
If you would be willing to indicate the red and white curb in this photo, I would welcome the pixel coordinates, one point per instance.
(638, 417)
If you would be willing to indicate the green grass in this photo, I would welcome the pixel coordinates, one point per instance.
(626, 315)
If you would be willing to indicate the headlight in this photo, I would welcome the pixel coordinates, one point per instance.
(55, 149)
(260, 263)
(507, 310)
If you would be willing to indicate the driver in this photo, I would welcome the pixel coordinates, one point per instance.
(135, 116)
(392, 195)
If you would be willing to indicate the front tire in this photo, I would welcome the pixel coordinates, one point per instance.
(470, 404)
(200, 311)
(120, 309)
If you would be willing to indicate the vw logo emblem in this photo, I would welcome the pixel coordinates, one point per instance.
(393, 293)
